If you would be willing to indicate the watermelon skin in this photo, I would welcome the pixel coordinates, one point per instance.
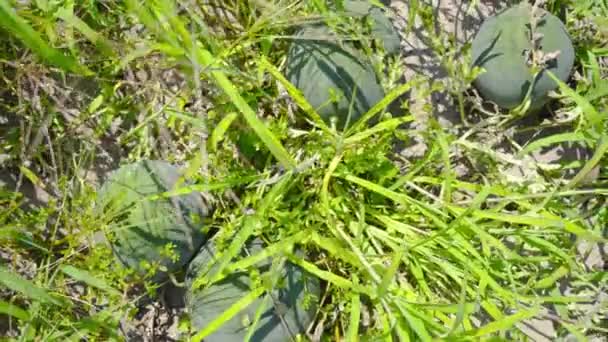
(317, 66)
(143, 227)
(382, 27)
(206, 304)
(499, 47)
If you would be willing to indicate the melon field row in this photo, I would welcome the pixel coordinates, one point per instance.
(318, 170)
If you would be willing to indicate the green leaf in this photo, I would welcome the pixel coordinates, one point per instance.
(296, 94)
(355, 316)
(551, 140)
(88, 278)
(506, 323)
(388, 125)
(25, 287)
(220, 130)
(591, 163)
(100, 41)
(13, 310)
(272, 143)
(14, 24)
(589, 111)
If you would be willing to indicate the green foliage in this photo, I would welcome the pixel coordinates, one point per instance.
(12, 22)
(507, 47)
(336, 80)
(274, 290)
(151, 234)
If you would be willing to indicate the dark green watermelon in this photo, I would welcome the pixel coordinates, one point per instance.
(500, 47)
(143, 227)
(382, 27)
(318, 65)
(284, 314)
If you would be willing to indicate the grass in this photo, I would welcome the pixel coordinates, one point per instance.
(406, 248)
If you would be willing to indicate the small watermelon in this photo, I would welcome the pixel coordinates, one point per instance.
(318, 66)
(501, 47)
(382, 27)
(143, 227)
(283, 315)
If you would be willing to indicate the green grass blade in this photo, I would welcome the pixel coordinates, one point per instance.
(589, 111)
(538, 221)
(352, 333)
(388, 125)
(580, 336)
(13, 310)
(549, 247)
(505, 323)
(235, 247)
(477, 201)
(552, 140)
(225, 316)
(334, 247)
(186, 189)
(99, 40)
(295, 94)
(325, 185)
(378, 107)
(332, 278)
(206, 59)
(550, 280)
(16, 25)
(415, 323)
(25, 287)
(251, 329)
(268, 251)
(389, 275)
(88, 278)
(271, 142)
(220, 130)
(250, 224)
(460, 315)
(595, 159)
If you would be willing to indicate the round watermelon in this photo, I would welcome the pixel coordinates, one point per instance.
(382, 28)
(331, 76)
(284, 314)
(144, 229)
(501, 47)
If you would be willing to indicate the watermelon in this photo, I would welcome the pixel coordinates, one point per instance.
(500, 47)
(319, 66)
(382, 28)
(284, 313)
(141, 227)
